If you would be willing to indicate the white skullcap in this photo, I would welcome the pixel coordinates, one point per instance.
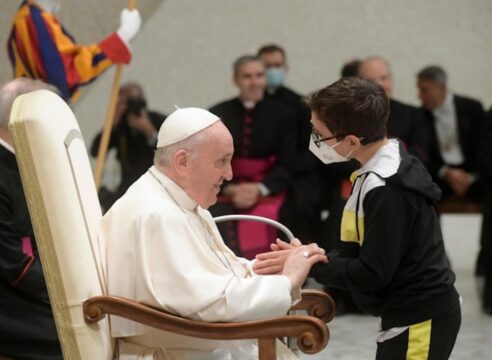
(183, 123)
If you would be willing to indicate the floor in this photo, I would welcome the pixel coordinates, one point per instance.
(352, 336)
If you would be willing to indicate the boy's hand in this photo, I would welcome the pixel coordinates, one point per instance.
(282, 245)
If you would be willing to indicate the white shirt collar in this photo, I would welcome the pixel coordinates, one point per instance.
(7, 146)
(446, 107)
(176, 191)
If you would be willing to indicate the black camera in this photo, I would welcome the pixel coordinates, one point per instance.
(135, 105)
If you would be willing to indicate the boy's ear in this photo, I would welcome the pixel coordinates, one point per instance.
(354, 140)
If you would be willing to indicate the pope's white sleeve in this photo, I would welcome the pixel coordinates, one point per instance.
(251, 298)
(180, 275)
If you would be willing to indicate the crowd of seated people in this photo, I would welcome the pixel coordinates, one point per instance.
(274, 173)
(444, 133)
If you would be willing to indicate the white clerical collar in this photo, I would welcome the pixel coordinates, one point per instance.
(248, 104)
(446, 107)
(7, 146)
(177, 193)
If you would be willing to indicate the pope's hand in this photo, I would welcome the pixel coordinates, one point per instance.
(300, 261)
(130, 21)
(273, 262)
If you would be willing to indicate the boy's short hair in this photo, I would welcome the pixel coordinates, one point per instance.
(352, 106)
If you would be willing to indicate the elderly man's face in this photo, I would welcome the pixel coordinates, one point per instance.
(250, 80)
(376, 70)
(211, 166)
(431, 94)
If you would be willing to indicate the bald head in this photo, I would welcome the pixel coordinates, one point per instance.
(14, 88)
(377, 69)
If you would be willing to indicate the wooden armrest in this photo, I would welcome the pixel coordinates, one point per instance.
(311, 333)
(317, 303)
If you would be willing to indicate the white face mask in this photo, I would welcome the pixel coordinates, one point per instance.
(327, 153)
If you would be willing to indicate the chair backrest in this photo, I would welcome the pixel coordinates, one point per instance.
(65, 214)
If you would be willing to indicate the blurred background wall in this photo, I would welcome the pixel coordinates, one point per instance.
(184, 52)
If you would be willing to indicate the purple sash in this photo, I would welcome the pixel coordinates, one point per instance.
(255, 237)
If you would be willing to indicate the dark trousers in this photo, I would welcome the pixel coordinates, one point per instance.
(430, 340)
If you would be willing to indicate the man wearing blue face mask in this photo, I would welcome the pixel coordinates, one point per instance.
(274, 58)
(305, 197)
(392, 255)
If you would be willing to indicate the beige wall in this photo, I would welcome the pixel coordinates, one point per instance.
(184, 52)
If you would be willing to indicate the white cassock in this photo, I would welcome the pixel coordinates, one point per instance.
(165, 251)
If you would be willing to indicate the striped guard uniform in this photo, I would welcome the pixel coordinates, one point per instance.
(40, 48)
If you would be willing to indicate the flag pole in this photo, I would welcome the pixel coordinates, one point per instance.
(108, 123)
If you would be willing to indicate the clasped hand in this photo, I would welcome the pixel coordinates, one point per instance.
(293, 260)
(244, 195)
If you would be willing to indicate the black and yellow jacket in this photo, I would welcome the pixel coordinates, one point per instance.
(392, 255)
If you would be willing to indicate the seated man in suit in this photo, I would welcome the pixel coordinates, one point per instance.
(455, 125)
(405, 122)
(27, 327)
(164, 249)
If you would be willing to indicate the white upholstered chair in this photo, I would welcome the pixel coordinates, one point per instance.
(65, 213)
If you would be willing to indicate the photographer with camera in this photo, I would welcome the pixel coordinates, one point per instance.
(134, 136)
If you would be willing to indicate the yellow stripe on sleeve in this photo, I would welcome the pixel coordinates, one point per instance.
(348, 231)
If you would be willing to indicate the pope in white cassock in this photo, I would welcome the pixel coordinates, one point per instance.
(164, 249)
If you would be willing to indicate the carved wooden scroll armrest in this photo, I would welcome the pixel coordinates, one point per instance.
(318, 304)
(311, 333)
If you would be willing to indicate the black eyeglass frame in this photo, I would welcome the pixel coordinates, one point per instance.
(317, 140)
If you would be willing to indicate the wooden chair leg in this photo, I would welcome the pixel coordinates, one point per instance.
(267, 349)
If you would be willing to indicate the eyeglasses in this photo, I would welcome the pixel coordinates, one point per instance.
(317, 139)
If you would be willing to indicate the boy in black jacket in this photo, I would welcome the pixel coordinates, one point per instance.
(392, 256)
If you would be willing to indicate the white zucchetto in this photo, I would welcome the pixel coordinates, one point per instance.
(183, 123)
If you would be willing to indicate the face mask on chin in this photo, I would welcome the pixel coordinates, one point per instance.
(327, 153)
